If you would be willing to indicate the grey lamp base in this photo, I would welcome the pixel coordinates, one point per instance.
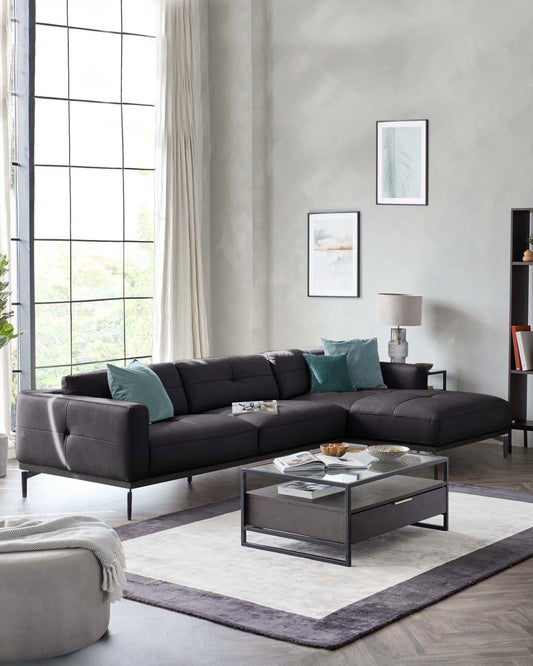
(398, 346)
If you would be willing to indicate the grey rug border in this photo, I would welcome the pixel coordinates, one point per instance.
(346, 624)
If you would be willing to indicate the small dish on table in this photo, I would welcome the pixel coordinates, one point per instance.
(387, 451)
(337, 449)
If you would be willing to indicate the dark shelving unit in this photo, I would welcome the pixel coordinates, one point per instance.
(520, 298)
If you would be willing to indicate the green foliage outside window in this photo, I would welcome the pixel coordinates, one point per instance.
(7, 331)
(87, 334)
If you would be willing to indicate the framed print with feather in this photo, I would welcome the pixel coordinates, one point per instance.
(402, 162)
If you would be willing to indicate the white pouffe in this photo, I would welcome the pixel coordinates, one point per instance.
(51, 603)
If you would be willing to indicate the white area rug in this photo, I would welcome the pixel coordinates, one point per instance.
(193, 562)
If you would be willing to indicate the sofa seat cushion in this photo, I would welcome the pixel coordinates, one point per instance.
(433, 418)
(197, 440)
(298, 423)
(344, 399)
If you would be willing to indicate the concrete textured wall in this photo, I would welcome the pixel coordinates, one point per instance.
(230, 76)
(303, 90)
(240, 187)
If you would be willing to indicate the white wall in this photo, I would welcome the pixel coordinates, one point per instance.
(333, 68)
(231, 171)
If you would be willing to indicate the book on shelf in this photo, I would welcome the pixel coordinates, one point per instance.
(251, 406)
(307, 490)
(514, 331)
(305, 461)
(525, 348)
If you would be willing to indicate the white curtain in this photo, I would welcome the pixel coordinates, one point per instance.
(5, 195)
(180, 320)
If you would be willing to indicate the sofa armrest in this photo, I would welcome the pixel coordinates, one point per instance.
(96, 436)
(404, 375)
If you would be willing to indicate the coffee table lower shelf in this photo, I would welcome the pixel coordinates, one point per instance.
(355, 514)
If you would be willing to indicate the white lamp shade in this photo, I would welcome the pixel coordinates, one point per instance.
(399, 309)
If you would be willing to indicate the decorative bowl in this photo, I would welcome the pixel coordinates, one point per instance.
(384, 466)
(334, 449)
(387, 451)
(427, 366)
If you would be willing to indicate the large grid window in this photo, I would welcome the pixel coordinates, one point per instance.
(93, 181)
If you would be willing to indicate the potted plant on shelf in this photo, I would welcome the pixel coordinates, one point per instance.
(7, 333)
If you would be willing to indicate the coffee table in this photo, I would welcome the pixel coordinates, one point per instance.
(384, 497)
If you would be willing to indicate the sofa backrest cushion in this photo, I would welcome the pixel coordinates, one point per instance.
(95, 384)
(217, 382)
(291, 371)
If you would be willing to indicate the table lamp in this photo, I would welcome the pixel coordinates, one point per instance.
(399, 310)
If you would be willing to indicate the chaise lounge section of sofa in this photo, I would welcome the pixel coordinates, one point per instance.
(81, 432)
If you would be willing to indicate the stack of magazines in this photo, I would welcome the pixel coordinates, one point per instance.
(307, 490)
(305, 461)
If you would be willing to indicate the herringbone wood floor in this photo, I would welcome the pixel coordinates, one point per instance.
(490, 623)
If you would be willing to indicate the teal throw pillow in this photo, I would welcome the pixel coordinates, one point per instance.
(138, 383)
(328, 373)
(362, 359)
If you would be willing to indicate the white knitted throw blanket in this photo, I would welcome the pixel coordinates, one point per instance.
(23, 534)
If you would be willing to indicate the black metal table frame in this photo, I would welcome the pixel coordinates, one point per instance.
(347, 543)
(444, 374)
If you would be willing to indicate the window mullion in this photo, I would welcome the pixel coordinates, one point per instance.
(25, 70)
(69, 188)
(123, 182)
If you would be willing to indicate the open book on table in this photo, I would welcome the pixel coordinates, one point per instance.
(305, 461)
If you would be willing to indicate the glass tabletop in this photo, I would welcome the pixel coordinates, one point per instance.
(375, 469)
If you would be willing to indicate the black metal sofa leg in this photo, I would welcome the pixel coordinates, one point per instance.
(24, 481)
(130, 497)
(24, 476)
(189, 479)
(507, 441)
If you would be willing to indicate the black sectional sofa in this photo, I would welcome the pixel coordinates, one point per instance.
(80, 432)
